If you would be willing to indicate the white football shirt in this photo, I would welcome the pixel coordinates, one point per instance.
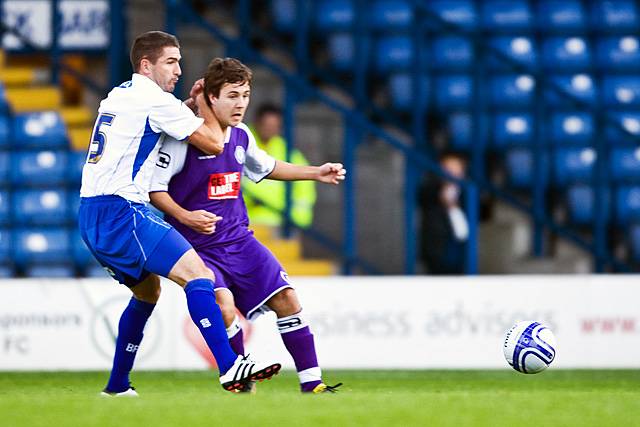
(131, 125)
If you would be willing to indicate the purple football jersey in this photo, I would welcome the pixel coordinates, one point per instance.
(212, 183)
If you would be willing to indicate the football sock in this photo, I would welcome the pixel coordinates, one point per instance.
(207, 316)
(236, 337)
(130, 332)
(298, 340)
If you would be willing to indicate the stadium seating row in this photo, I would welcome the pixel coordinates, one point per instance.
(487, 15)
(41, 130)
(567, 53)
(41, 168)
(46, 252)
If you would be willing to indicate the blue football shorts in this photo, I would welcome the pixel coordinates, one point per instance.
(128, 240)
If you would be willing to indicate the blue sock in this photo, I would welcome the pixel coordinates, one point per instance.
(130, 328)
(207, 316)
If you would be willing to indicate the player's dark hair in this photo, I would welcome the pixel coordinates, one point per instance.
(267, 108)
(149, 45)
(221, 71)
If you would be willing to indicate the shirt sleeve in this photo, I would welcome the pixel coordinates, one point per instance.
(171, 116)
(258, 164)
(170, 162)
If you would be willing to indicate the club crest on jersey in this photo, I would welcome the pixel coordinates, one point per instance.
(240, 154)
(225, 185)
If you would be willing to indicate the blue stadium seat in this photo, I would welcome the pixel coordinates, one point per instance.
(453, 92)
(624, 164)
(39, 168)
(618, 53)
(627, 130)
(461, 136)
(334, 15)
(506, 15)
(621, 91)
(562, 16)
(76, 160)
(82, 256)
(451, 53)
(579, 86)
(512, 91)
(512, 129)
(41, 245)
(4, 105)
(566, 53)
(6, 272)
(573, 165)
(634, 242)
(393, 53)
(402, 93)
(580, 204)
(5, 246)
(5, 168)
(342, 51)
(573, 128)
(389, 15)
(627, 204)
(54, 271)
(461, 13)
(44, 131)
(284, 15)
(5, 131)
(520, 50)
(40, 207)
(619, 16)
(5, 208)
(96, 272)
(74, 205)
(520, 168)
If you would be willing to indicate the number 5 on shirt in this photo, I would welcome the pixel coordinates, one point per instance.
(99, 139)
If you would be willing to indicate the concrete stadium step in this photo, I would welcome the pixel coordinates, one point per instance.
(38, 98)
(18, 76)
(75, 117)
(79, 138)
(284, 250)
(309, 268)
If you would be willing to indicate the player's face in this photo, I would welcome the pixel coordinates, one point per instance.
(232, 103)
(166, 71)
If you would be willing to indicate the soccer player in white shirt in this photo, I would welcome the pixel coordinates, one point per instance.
(131, 243)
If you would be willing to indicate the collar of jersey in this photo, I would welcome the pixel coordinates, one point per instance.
(227, 135)
(145, 81)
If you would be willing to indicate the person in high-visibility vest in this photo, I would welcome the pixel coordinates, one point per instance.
(267, 130)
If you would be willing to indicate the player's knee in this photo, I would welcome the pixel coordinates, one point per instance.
(285, 303)
(148, 291)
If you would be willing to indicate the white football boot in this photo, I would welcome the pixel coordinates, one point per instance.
(130, 392)
(244, 370)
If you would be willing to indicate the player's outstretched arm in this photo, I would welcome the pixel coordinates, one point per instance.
(201, 221)
(209, 137)
(329, 173)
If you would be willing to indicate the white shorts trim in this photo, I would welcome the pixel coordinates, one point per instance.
(262, 308)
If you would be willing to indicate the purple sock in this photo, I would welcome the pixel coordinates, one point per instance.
(298, 340)
(130, 328)
(236, 337)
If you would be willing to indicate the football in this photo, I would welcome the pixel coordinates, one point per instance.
(529, 347)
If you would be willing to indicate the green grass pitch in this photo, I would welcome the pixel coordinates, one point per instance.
(368, 398)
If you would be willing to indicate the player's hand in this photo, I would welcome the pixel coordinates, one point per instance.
(201, 221)
(331, 173)
(196, 89)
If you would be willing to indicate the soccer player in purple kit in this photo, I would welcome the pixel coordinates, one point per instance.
(201, 197)
(128, 240)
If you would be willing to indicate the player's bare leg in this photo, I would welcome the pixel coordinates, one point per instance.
(298, 340)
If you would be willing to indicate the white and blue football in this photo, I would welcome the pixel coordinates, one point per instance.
(529, 347)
